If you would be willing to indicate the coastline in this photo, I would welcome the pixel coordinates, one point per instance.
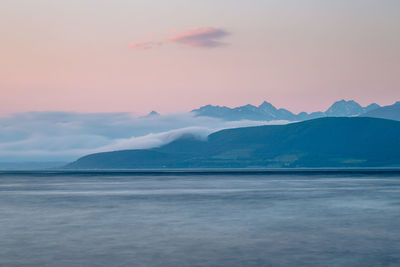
(212, 171)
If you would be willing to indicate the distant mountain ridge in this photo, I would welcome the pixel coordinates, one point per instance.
(323, 142)
(344, 108)
(267, 112)
(391, 112)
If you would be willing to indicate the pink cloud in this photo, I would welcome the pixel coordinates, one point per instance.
(145, 45)
(206, 37)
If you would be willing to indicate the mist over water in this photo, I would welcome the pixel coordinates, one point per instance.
(199, 220)
(66, 136)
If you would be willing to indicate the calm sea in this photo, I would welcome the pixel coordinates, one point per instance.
(199, 219)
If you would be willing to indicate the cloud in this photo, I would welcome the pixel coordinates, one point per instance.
(66, 136)
(157, 139)
(203, 37)
(145, 45)
(206, 37)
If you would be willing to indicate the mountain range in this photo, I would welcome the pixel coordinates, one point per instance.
(391, 112)
(267, 112)
(323, 142)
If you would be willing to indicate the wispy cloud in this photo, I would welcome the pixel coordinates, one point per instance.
(202, 37)
(206, 37)
(145, 45)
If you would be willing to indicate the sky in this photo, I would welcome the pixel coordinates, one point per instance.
(173, 56)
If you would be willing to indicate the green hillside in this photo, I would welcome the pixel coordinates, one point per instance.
(324, 142)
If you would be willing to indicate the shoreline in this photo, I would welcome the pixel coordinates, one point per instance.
(211, 171)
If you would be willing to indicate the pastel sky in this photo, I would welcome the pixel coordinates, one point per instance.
(176, 55)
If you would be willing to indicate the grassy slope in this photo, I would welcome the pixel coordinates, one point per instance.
(325, 142)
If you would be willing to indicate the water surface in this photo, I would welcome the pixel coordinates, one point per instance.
(192, 219)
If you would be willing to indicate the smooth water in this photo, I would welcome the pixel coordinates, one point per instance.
(95, 219)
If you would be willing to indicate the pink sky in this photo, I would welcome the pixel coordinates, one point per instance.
(137, 56)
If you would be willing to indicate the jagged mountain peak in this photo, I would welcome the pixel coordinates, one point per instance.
(267, 112)
(344, 108)
(266, 104)
(391, 112)
(371, 107)
(153, 113)
(248, 106)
